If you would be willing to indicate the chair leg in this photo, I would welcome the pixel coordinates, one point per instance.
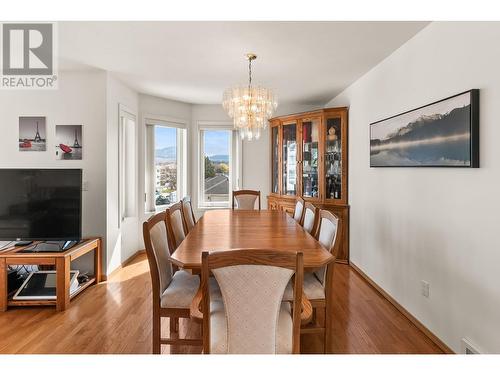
(156, 334)
(173, 334)
(327, 325)
(174, 325)
(323, 324)
(314, 319)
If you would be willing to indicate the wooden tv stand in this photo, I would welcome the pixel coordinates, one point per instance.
(62, 263)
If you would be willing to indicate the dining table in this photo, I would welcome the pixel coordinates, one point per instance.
(226, 229)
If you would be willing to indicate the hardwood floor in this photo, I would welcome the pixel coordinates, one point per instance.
(115, 317)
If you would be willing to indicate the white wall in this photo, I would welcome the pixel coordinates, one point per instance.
(80, 99)
(433, 224)
(122, 241)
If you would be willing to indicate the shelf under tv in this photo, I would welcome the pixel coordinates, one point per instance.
(51, 302)
(62, 263)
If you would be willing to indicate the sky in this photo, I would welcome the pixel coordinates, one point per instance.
(216, 141)
(165, 137)
(382, 130)
(66, 134)
(27, 127)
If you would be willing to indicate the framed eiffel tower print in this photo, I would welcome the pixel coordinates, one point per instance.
(32, 134)
(69, 142)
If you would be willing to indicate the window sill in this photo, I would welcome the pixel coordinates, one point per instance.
(158, 209)
(213, 207)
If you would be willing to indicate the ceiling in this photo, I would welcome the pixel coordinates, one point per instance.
(304, 62)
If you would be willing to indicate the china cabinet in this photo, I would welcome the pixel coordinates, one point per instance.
(309, 159)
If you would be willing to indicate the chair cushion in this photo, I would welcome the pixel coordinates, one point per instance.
(218, 329)
(159, 243)
(181, 291)
(327, 236)
(309, 220)
(188, 214)
(327, 233)
(297, 214)
(313, 289)
(183, 288)
(215, 293)
(177, 227)
(245, 201)
(252, 296)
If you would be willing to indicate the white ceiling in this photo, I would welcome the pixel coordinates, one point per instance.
(304, 62)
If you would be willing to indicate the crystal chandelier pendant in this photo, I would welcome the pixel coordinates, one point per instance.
(250, 107)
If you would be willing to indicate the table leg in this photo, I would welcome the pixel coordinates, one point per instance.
(62, 286)
(4, 291)
(329, 310)
(329, 327)
(97, 263)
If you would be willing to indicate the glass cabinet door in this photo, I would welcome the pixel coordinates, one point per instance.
(310, 153)
(275, 156)
(333, 158)
(289, 159)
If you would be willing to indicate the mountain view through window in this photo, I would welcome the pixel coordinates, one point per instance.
(216, 146)
(165, 165)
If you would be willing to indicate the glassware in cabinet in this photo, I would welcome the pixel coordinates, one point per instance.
(275, 159)
(289, 159)
(333, 158)
(310, 153)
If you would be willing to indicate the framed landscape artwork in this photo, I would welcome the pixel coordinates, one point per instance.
(441, 134)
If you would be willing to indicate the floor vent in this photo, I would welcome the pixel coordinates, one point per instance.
(468, 347)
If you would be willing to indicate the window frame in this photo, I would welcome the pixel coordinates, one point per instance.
(235, 163)
(127, 164)
(151, 123)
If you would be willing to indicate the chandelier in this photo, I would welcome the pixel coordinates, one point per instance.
(250, 107)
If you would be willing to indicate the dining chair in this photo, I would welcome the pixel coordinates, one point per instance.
(310, 217)
(188, 215)
(299, 209)
(326, 234)
(251, 318)
(173, 292)
(245, 199)
(175, 225)
(317, 282)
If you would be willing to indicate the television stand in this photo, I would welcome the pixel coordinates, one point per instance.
(69, 244)
(61, 260)
(50, 246)
(23, 243)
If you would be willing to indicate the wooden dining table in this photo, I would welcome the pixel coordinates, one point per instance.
(223, 230)
(220, 230)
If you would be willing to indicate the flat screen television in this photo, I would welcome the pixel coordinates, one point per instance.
(40, 204)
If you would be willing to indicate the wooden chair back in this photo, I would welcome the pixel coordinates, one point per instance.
(310, 218)
(299, 210)
(155, 236)
(236, 272)
(175, 225)
(188, 214)
(245, 199)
